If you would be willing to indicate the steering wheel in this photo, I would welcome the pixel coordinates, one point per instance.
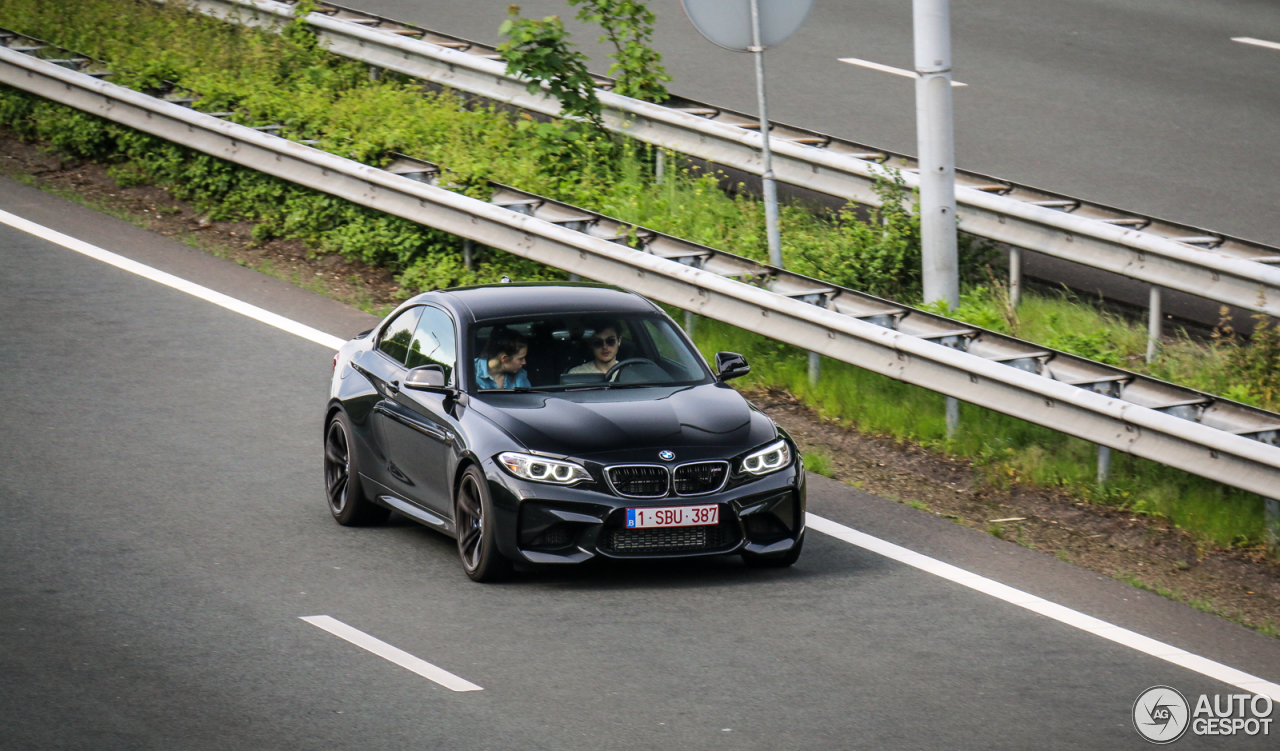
(612, 375)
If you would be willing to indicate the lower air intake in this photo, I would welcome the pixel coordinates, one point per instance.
(679, 539)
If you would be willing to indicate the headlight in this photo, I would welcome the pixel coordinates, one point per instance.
(771, 458)
(541, 469)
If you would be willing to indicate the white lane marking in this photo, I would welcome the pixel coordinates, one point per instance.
(394, 654)
(991, 587)
(1052, 610)
(1257, 42)
(888, 69)
(169, 280)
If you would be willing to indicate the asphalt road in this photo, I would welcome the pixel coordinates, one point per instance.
(164, 531)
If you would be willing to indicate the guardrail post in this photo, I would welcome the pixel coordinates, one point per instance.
(815, 368)
(1015, 276)
(1271, 511)
(467, 263)
(1104, 464)
(375, 73)
(660, 166)
(689, 320)
(1155, 323)
(953, 416)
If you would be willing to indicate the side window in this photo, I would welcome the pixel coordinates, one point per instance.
(434, 343)
(396, 337)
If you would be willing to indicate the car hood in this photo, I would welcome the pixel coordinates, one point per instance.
(707, 418)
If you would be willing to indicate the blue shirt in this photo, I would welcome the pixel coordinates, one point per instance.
(519, 379)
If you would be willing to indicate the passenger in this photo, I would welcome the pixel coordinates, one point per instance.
(502, 366)
(604, 346)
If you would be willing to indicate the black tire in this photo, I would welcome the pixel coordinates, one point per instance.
(477, 546)
(343, 489)
(775, 560)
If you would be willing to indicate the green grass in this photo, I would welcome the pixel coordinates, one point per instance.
(819, 462)
(1005, 450)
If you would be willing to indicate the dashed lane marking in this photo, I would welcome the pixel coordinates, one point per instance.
(1257, 42)
(393, 654)
(889, 69)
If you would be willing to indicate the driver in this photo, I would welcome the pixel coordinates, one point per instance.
(502, 366)
(604, 346)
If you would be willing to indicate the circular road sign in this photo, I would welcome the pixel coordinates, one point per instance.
(727, 23)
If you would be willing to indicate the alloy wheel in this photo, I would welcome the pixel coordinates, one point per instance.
(470, 523)
(337, 467)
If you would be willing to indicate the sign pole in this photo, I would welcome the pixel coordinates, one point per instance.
(768, 184)
(936, 144)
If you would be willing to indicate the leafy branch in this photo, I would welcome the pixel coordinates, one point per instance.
(540, 52)
(628, 25)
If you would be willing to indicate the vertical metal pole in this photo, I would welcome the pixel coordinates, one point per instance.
(1104, 464)
(936, 144)
(815, 369)
(1155, 323)
(953, 416)
(1015, 276)
(660, 166)
(1271, 511)
(766, 176)
(375, 73)
(689, 320)
(467, 261)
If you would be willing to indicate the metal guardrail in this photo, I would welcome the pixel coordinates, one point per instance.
(1222, 440)
(1168, 254)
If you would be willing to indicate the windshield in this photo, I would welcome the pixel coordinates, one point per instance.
(563, 352)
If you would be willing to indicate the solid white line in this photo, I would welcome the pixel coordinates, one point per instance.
(933, 566)
(1052, 610)
(1257, 42)
(394, 654)
(888, 69)
(169, 280)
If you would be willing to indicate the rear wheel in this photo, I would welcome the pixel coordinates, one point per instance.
(477, 545)
(775, 560)
(342, 484)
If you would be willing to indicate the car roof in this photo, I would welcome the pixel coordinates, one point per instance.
(541, 298)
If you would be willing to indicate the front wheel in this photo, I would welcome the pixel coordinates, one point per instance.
(342, 483)
(775, 560)
(477, 545)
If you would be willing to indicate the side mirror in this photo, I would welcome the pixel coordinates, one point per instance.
(731, 365)
(425, 378)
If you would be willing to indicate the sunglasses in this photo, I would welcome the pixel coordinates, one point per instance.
(597, 342)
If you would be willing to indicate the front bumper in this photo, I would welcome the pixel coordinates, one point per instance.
(540, 523)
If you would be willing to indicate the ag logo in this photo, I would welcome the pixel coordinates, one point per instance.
(666, 456)
(1160, 714)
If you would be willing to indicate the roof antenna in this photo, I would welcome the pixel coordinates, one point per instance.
(505, 279)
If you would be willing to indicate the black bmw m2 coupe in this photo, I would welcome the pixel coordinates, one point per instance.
(552, 423)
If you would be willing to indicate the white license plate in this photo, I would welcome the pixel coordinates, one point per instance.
(673, 516)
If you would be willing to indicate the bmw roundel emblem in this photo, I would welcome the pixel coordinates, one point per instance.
(666, 456)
